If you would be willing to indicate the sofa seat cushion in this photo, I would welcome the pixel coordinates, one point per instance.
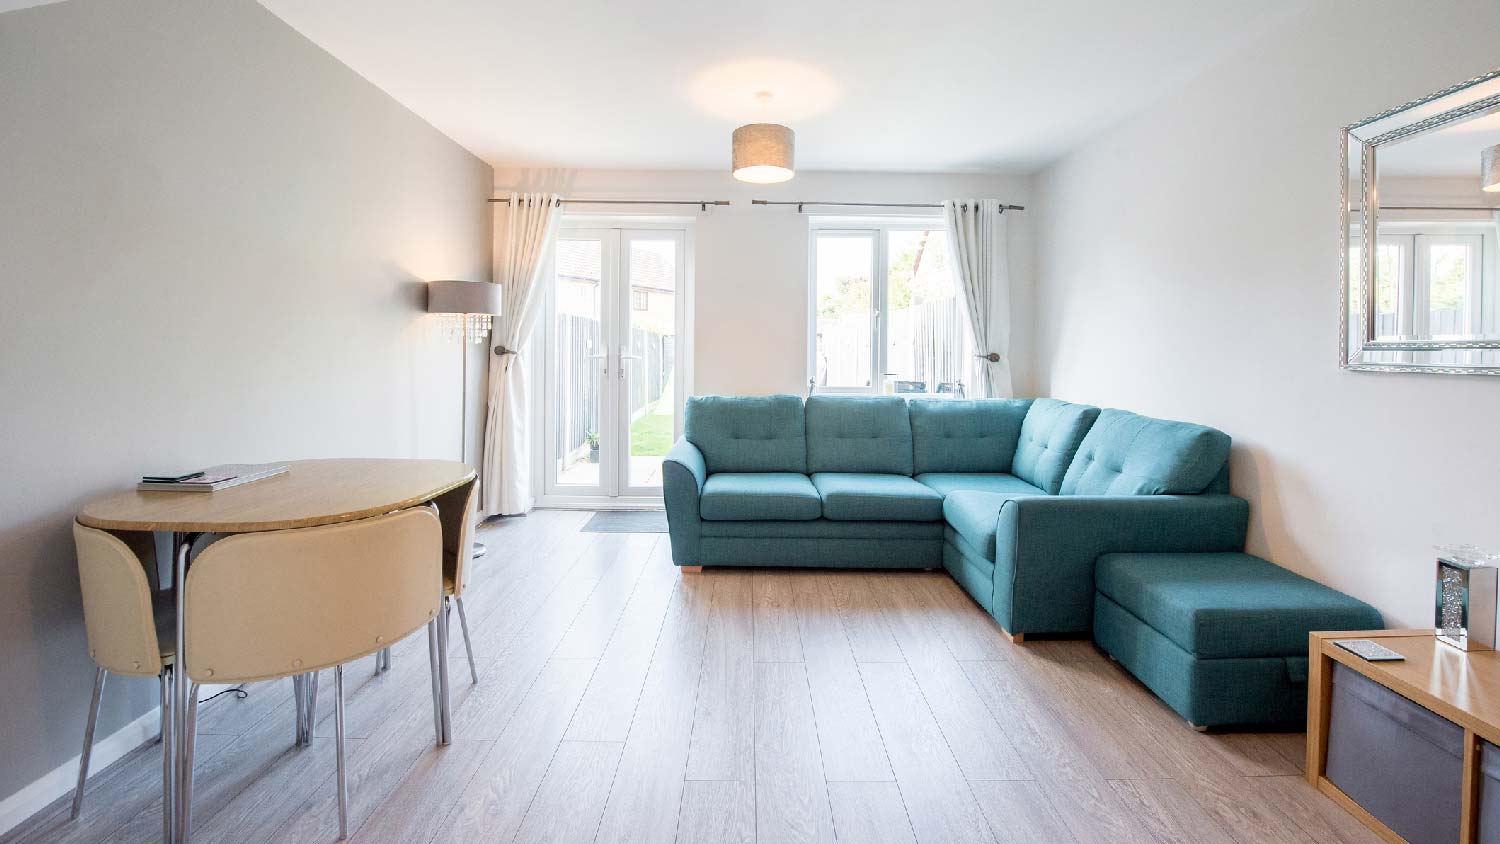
(858, 434)
(1128, 454)
(1225, 605)
(759, 496)
(975, 516)
(948, 483)
(748, 433)
(858, 497)
(965, 436)
(1050, 436)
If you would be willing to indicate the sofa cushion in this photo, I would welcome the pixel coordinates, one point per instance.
(748, 433)
(1128, 454)
(948, 483)
(852, 497)
(1228, 604)
(858, 434)
(1050, 436)
(975, 516)
(965, 436)
(746, 497)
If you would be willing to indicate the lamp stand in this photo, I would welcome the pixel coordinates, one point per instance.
(463, 413)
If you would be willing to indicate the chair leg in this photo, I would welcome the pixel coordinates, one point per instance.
(88, 742)
(161, 682)
(300, 696)
(443, 687)
(463, 624)
(312, 709)
(338, 741)
(168, 756)
(192, 742)
(432, 658)
(387, 658)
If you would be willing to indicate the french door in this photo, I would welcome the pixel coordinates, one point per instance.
(614, 316)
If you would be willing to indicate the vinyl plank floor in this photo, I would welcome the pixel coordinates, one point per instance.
(623, 700)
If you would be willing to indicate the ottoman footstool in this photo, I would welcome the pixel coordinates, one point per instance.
(1222, 637)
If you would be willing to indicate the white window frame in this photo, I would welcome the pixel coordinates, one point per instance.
(879, 228)
(1412, 286)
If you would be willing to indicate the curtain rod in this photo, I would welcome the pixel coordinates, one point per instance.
(1354, 209)
(702, 203)
(871, 204)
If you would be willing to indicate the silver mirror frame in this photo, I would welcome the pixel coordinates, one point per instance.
(1358, 323)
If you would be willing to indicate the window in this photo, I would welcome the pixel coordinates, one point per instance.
(887, 315)
(1430, 280)
(640, 300)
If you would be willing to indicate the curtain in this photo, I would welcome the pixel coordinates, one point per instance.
(523, 238)
(976, 242)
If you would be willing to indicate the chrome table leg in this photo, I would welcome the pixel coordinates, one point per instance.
(338, 726)
(437, 697)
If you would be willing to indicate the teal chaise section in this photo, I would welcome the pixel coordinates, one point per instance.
(1015, 498)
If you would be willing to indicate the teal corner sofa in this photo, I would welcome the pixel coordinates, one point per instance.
(1015, 498)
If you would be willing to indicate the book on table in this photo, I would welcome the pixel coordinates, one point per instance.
(211, 479)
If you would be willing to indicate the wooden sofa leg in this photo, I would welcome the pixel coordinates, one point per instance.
(1197, 728)
(691, 569)
(1017, 638)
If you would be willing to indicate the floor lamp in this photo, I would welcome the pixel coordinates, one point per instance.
(473, 304)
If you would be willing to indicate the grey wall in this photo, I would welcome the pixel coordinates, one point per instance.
(212, 242)
(1189, 267)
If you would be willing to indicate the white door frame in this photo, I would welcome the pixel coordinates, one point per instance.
(619, 228)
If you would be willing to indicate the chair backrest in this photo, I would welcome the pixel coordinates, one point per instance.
(117, 611)
(273, 604)
(456, 512)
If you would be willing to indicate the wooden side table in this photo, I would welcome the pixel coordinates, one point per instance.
(1463, 688)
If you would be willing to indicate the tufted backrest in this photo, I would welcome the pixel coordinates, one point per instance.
(748, 433)
(1128, 454)
(858, 434)
(1050, 436)
(965, 436)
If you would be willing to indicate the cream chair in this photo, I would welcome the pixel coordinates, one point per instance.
(285, 603)
(456, 510)
(130, 631)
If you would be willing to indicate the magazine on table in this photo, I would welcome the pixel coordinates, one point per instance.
(212, 479)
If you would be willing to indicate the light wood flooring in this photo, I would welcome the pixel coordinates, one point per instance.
(620, 700)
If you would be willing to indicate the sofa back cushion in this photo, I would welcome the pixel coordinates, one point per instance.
(965, 436)
(748, 433)
(858, 434)
(1128, 454)
(1050, 436)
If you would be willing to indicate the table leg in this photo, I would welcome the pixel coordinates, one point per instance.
(180, 690)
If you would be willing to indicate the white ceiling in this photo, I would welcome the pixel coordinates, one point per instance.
(1452, 151)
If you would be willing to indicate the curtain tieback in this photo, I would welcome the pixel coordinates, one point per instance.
(501, 351)
(992, 357)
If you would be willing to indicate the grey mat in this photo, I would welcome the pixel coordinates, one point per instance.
(627, 521)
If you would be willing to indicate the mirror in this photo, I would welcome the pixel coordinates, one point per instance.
(1425, 178)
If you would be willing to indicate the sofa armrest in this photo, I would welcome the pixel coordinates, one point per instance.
(683, 473)
(1045, 548)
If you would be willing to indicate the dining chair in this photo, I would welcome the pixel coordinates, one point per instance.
(131, 631)
(261, 606)
(456, 511)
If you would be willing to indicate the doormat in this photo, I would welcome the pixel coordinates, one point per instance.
(627, 521)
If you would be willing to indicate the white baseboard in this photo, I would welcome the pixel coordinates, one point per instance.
(59, 781)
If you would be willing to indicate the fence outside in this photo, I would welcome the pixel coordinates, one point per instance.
(580, 378)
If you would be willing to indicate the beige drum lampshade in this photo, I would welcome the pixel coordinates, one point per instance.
(763, 153)
(463, 297)
(1489, 169)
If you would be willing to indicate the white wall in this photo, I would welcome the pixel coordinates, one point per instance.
(1188, 268)
(751, 293)
(213, 242)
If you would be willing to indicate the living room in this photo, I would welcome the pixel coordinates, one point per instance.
(969, 423)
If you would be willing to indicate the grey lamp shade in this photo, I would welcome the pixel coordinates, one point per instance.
(1489, 169)
(463, 297)
(763, 153)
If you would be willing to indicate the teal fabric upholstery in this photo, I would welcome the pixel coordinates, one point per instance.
(972, 571)
(948, 483)
(799, 552)
(1229, 692)
(1050, 436)
(965, 436)
(852, 496)
(759, 496)
(976, 515)
(1128, 454)
(1045, 547)
(748, 433)
(683, 474)
(1228, 605)
(825, 529)
(858, 434)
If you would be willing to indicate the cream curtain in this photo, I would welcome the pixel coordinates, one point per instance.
(976, 242)
(523, 238)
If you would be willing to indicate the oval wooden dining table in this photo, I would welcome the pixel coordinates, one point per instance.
(308, 494)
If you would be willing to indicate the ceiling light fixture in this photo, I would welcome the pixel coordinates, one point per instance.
(762, 152)
(1489, 169)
